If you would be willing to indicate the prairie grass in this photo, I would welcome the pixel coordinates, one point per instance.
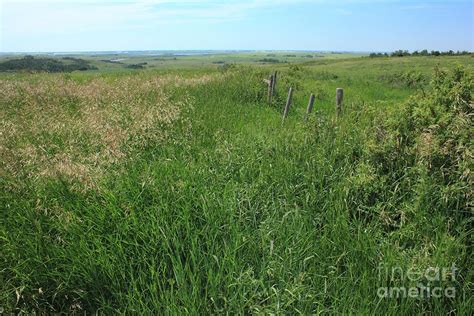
(185, 194)
(57, 127)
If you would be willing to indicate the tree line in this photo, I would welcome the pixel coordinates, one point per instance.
(424, 52)
(44, 64)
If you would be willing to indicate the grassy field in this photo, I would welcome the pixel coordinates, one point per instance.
(178, 189)
(190, 60)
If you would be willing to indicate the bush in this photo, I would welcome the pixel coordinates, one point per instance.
(431, 139)
(269, 60)
(136, 66)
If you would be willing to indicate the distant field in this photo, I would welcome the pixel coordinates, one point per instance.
(179, 60)
(176, 188)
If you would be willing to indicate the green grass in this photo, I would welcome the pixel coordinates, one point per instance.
(221, 208)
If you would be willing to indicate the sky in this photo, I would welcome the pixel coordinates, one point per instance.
(335, 25)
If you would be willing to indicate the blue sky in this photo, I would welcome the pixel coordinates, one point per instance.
(344, 25)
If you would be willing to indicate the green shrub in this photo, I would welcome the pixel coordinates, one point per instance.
(269, 60)
(136, 66)
(432, 135)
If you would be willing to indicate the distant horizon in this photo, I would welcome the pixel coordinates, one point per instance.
(124, 51)
(44, 26)
(215, 51)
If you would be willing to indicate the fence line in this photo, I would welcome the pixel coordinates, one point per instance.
(271, 88)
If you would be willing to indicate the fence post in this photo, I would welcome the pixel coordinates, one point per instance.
(270, 89)
(310, 107)
(274, 82)
(339, 99)
(288, 103)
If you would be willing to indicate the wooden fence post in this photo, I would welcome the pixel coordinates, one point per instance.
(288, 103)
(339, 99)
(270, 89)
(310, 107)
(274, 82)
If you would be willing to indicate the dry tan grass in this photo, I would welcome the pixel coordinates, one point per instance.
(53, 127)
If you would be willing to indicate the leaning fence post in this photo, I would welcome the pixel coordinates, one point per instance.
(339, 98)
(288, 103)
(270, 88)
(310, 107)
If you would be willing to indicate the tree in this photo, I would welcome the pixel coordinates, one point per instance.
(424, 52)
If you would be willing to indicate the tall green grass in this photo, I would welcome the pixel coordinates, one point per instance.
(235, 212)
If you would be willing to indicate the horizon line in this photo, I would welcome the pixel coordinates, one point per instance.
(125, 51)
